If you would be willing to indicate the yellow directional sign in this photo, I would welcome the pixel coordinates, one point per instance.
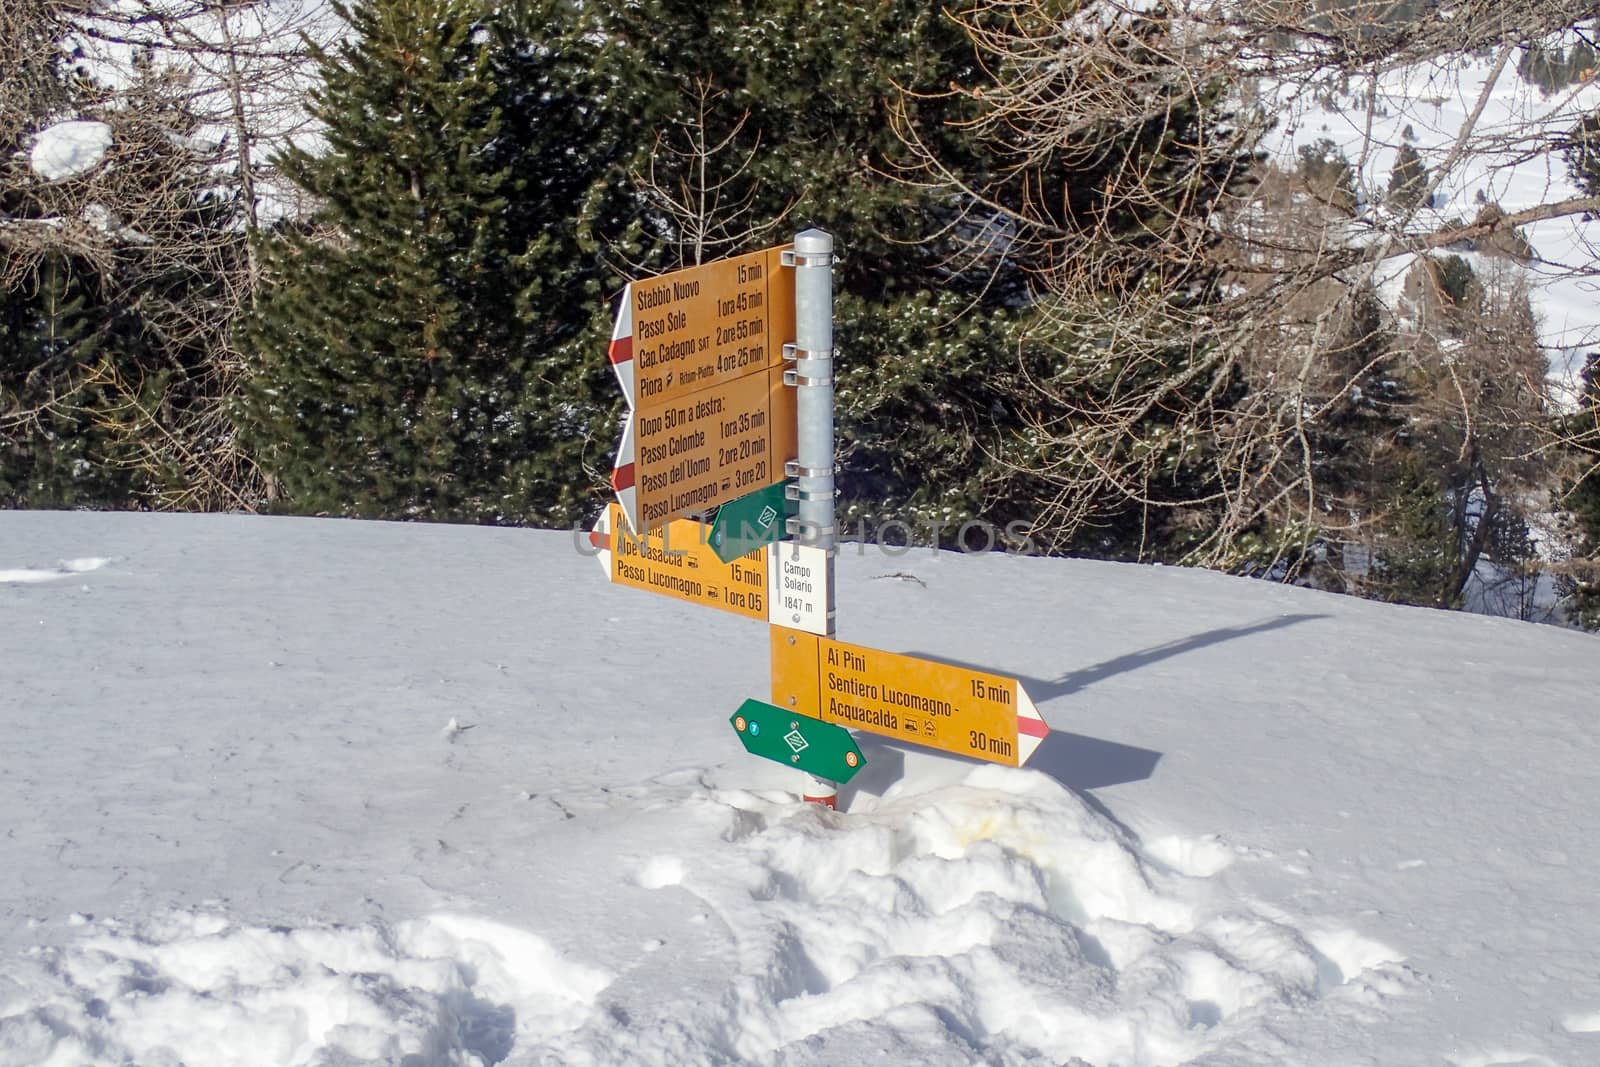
(678, 561)
(709, 447)
(682, 332)
(955, 709)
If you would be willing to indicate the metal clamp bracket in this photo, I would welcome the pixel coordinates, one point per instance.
(794, 548)
(794, 492)
(790, 258)
(794, 377)
(801, 528)
(791, 352)
(792, 469)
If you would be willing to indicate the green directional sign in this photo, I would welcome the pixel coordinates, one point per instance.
(799, 741)
(744, 525)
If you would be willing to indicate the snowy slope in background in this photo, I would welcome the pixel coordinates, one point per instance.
(1434, 101)
(1272, 826)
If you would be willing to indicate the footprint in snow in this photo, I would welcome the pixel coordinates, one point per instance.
(659, 872)
(1587, 1022)
(64, 569)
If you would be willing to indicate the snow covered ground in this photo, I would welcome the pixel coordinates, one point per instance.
(1507, 164)
(1272, 826)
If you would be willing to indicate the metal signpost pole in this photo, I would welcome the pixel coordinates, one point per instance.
(813, 375)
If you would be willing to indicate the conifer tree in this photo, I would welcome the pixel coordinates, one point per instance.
(1581, 428)
(1408, 182)
(1583, 154)
(54, 454)
(1582, 497)
(1328, 174)
(424, 344)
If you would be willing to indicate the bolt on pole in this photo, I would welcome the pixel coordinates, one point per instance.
(813, 373)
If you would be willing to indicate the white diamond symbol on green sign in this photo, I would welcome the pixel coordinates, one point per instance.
(796, 742)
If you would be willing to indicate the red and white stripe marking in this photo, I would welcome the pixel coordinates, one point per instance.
(1031, 727)
(621, 350)
(622, 477)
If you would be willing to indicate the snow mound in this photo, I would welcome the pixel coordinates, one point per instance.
(70, 149)
(1001, 919)
(193, 988)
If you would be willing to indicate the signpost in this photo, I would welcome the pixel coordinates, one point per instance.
(800, 741)
(728, 372)
(676, 561)
(813, 525)
(955, 709)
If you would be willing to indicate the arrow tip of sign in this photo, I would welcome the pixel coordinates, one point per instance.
(1031, 727)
